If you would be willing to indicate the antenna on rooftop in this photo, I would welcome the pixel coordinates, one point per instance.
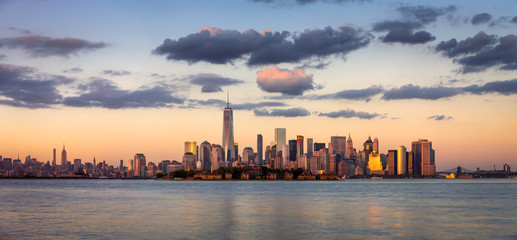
(227, 98)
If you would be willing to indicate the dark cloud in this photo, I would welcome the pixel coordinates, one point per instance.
(42, 46)
(3, 57)
(212, 82)
(116, 73)
(514, 19)
(219, 46)
(411, 91)
(287, 82)
(291, 112)
(240, 106)
(507, 87)
(482, 51)
(414, 17)
(481, 18)
(25, 87)
(73, 70)
(350, 113)
(452, 48)
(305, 2)
(356, 94)
(440, 117)
(106, 94)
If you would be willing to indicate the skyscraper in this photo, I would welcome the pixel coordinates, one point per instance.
(423, 154)
(338, 145)
(350, 151)
(392, 162)
(376, 145)
(401, 160)
(139, 165)
(63, 158)
(299, 147)
(205, 152)
(292, 150)
(310, 147)
(191, 147)
(54, 157)
(247, 156)
(279, 139)
(228, 141)
(260, 159)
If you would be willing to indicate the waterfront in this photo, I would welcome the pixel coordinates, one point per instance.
(350, 209)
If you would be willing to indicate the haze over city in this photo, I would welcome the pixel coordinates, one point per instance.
(110, 79)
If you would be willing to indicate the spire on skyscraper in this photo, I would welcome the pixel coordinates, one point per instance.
(227, 98)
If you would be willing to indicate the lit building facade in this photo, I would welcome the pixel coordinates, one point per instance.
(401, 160)
(191, 147)
(228, 135)
(279, 139)
(338, 145)
(423, 154)
(139, 165)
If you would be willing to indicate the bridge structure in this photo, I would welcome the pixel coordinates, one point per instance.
(461, 171)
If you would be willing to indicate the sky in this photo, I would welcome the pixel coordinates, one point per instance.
(109, 79)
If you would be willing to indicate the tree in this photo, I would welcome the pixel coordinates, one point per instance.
(159, 175)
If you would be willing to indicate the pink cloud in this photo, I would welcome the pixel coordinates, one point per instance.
(285, 81)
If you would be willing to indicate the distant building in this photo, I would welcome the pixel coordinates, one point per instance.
(410, 163)
(375, 164)
(299, 148)
(260, 155)
(139, 165)
(63, 159)
(217, 157)
(424, 157)
(205, 153)
(318, 146)
(247, 156)
(401, 160)
(392, 162)
(507, 168)
(191, 147)
(292, 150)
(376, 145)
(54, 158)
(279, 139)
(310, 147)
(350, 150)
(189, 161)
(228, 135)
(338, 145)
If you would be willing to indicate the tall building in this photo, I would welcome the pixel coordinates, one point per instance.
(279, 139)
(423, 154)
(299, 147)
(376, 145)
(189, 161)
(318, 146)
(63, 158)
(191, 147)
(310, 147)
(350, 151)
(217, 157)
(375, 164)
(205, 152)
(392, 162)
(139, 164)
(285, 155)
(260, 155)
(292, 150)
(228, 136)
(247, 156)
(410, 163)
(401, 160)
(338, 145)
(54, 157)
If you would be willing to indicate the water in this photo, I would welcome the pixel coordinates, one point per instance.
(351, 209)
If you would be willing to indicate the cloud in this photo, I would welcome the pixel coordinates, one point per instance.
(218, 46)
(355, 94)
(240, 106)
(482, 51)
(3, 57)
(514, 19)
(507, 87)
(453, 48)
(291, 112)
(42, 46)
(481, 18)
(115, 73)
(212, 82)
(414, 17)
(20, 30)
(350, 113)
(26, 87)
(288, 82)
(73, 70)
(411, 91)
(440, 117)
(106, 94)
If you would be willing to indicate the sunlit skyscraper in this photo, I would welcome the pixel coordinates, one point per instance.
(376, 145)
(279, 139)
(423, 157)
(191, 147)
(299, 149)
(338, 145)
(228, 140)
(401, 160)
(139, 163)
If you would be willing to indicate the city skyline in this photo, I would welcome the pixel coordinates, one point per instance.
(146, 77)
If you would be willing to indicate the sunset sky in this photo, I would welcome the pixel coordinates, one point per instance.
(113, 78)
